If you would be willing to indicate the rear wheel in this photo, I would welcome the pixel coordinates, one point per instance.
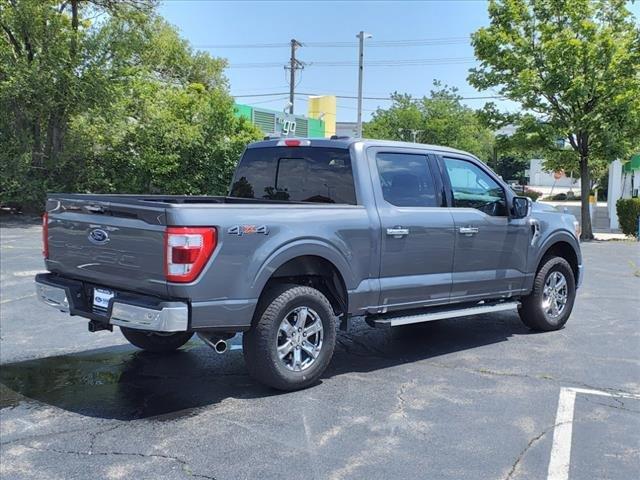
(292, 343)
(156, 341)
(550, 303)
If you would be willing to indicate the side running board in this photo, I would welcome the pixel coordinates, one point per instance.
(389, 321)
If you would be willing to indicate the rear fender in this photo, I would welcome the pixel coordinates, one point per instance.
(298, 248)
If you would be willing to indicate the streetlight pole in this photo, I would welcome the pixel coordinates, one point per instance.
(361, 37)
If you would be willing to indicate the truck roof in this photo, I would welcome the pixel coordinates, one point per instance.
(346, 142)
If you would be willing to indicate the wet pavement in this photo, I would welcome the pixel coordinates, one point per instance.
(461, 399)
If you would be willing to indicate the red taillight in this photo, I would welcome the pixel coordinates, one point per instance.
(45, 235)
(187, 250)
(292, 143)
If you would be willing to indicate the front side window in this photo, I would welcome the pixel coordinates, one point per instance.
(473, 188)
(406, 180)
(296, 174)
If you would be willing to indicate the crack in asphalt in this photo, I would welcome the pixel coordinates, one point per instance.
(531, 443)
(621, 405)
(556, 381)
(41, 436)
(370, 351)
(184, 464)
(94, 435)
(400, 409)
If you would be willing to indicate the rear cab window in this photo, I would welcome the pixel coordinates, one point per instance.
(298, 174)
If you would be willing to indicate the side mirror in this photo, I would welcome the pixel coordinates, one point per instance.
(520, 207)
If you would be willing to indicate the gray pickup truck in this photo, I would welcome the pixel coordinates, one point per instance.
(313, 233)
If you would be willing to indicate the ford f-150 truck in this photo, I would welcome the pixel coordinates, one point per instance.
(312, 233)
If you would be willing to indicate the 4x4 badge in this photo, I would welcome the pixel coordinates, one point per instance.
(248, 230)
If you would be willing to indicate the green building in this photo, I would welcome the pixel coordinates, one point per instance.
(273, 122)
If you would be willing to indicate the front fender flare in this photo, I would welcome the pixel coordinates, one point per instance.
(553, 238)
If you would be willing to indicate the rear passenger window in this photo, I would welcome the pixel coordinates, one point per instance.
(406, 180)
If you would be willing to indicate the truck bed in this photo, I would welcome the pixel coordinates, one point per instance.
(134, 199)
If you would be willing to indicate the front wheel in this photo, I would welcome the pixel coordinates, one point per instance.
(156, 341)
(550, 303)
(292, 342)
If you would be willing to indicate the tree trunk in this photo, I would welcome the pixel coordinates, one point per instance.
(55, 131)
(585, 183)
(36, 148)
(74, 26)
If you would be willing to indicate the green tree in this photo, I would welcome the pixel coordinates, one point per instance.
(104, 96)
(575, 65)
(439, 119)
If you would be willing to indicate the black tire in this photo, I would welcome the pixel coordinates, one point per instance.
(156, 342)
(532, 312)
(260, 344)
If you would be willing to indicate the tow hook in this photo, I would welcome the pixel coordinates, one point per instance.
(217, 341)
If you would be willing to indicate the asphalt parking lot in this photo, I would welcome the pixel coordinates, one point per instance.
(472, 398)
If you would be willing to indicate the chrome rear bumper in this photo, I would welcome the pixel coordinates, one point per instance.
(167, 319)
(55, 297)
(142, 313)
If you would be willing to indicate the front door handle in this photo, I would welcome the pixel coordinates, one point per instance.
(397, 232)
(468, 230)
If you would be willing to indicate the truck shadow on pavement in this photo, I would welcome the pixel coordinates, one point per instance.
(125, 383)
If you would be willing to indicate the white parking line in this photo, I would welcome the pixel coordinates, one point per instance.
(7, 300)
(563, 431)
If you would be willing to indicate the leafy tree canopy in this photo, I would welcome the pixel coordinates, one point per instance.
(104, 96)
(439, 119)
(573, 64)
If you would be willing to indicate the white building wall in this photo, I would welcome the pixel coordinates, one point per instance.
(614, 192)
(538, 176)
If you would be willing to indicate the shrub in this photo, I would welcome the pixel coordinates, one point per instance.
(532, 194)
(561, 197)
(628, 210)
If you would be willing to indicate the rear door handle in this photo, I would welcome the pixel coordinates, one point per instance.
(468, 230)
(397, 232)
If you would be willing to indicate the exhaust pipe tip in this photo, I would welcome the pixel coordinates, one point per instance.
(220, 346)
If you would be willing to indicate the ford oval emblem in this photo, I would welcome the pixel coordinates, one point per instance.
(98, 236)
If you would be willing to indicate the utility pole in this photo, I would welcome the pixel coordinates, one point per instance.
(415, 134)
(293, 66)
(361, 36)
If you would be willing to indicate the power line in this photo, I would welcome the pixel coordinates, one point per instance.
(262, 89)
(393, 43)
(268, 101)
(353, 97)
(370, 63)
(417, 42)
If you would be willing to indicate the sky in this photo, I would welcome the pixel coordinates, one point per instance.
(435, 34)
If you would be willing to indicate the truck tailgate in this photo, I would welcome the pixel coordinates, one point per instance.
(116, 243)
